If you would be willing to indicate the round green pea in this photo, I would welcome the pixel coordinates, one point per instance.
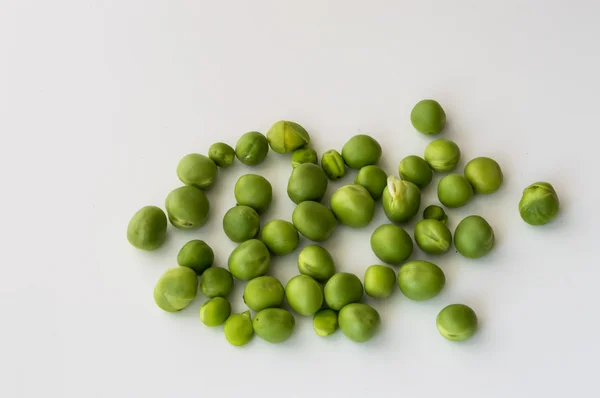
(325, 322)
(254, 191)
(373, 179)
(216, 282)
(416, 170)
(380, 281)
(304, 155)
(360, 151)
(454, 190)
(252, 148)
(333, 165)
(176, 289)
(263, 292)
(147, 229)
(539, 204)
(434, 212)
(353, 206)
(304, 295)
(197, 170)
(359, 322)
(285, 136)
(442, 155)
(241, 223)
(432, 236)
(238, 329)
(391, 244)
(280, 237)
(197, 255)
(307, 182)
(249, 260)
(457, 322)
(428, 117)
(474, 237)
(484, 174)
(401, 200)
(421, 280)
(215, 311)
(187, 207)
(274, 325)
(222, 154)
(315, 261)
(341, 289)
(314, 221)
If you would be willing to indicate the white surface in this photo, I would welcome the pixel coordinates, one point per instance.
(100, 99)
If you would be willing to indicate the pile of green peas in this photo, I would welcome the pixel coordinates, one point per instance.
(333, 298)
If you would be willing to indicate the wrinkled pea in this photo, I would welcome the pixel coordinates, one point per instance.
(361, 150)
(353, 206)
(380, 281)
(176, 289)
(315, 261)
(484, 174)
(280, 237)
(249, 260)
(434, 212)
(333, 165)
(454, 191)
(539, 204)
(401, 200)
(373, 179)
(474, 237)
(457, 322)
(215, 311)
(307, 182)
(432, 236)
(286, 136)
(416, 170)
(341, 289)
(216, 282)
(421, 280)
(252, 148)
(274, 325)
(263, 292)
(197, 255)
(314, 221)
(222, 154)
(325, 322)
(359, 322)
(391, 244)
(428, 117)
(187, 207)
(241, 223)
(442, 155)
(304, 155)
(238, 329)
(197, 170)
(254, 191)
(147, 229)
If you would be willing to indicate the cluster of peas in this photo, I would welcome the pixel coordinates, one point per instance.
(353, 205)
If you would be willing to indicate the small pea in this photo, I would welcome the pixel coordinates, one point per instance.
(216, 282)
(434, 212)
(432, 236)
(391, 244)
(274, 325)
(325, 322)
(215, 311)
(249, 260)
(380, 281)
(333, 164)
(474, 237)
(176, 289)
(454, 191)
(187, 207)
(416, 170)
(353, 206)
(197, 170)
(222, 154)
(421, 280)
(285, 136)
(307, 182)
(304, 295)
(197, 255)
(484, 174)
(341, 289)
(428, 117)
(304, 155)
(238, 329)
(252, 148)
(457, 322)
(539, 204)
(359, 322)
(373, 179)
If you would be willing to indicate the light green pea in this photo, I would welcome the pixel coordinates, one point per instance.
(241, 223)
(457, 322)
(307, 182)
(421, 280)
(280, 237)
(432, 236)
(254, 191)
(416, 170)
(238, 329)
(359, 322)
(147, 229)
(252, 148)
(176, 289)
(442, 155)
(391, 244)
(285, 136)
(304, 295)
(373, 179)
(380, 281)
(325, 322)
(401, 200)
(197, 255)
(454, 191)
(304, 155)
(474, 237)
(274, 325)
(249, 260)
(333, 164)
(197, 170)
(361, 150)
(317, 262)
(434, 212)
(484, 174)
(187, 207)
(263, 292)
(428, 117)
(314, 221)
(341, 289)
(215, 311)
(222, 154)
(353, 206)
(539, 204)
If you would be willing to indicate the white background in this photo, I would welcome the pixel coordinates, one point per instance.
(100, 99)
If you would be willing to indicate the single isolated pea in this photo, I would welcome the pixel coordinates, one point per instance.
(304, 295)
(147, 229)
(341, 289)
(280, 237)
(474, 237)
(416, 170)
(333, 165)
(457, 322)
(454, 191)
(421, 280)
(249, 260)
(274, 325)
(187, 207)
(285, 136)
(432, 236)
(215, 311)
(361, 150)
(433, 212)
(197, 170)
(197, 255)
(359, 322)
(325, 322)
(263, 292)
(353, 206)
(222, 154)
(241, 223)
(401, 200)
(442, 155)
(484, 174)
(216, 282)
(380, 281)
(238, 329)
(314, 221)
(316, 262)
(428, 117)
(539, 204)
(176, 289)
(373, 179)
(252, 148)
(391, 244)
(307, 182)
(304, 155)
(254, 191)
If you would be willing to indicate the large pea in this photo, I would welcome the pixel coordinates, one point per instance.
(252, 148)
(313, 220)
(373, 179)
(307, 182)
(254, 191)
(249, 260)
(353, 206)
(454, 190)
(421, 280)
(286, 136)
(359, 322)
(238, 329)
(416, 170)
(176, 289)
(442, 155)
(315, 261)
(187, 207)
(280, 237)
(241, 223)
(428, 117)
(304, 295)
(197, 255)
(401, 200)
(432, 236)
(341, 289)
(197, 170)
(274, 325)
(147, 229)
(391, 244)
(361, 150)
(263, 292)
(474, 237)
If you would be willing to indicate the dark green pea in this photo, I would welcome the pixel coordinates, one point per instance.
(359, 322)
(373, 179)
(457, 322)
(285, 136)
(401, 200)
(428, 117)
(380, 281)
(263, 292)
(317, 262)
(197, 170)
(474, 237)
(325, 322)
(484, 174)
(391, 244)
(274, 325)
(432, 236)
(187, 207)
(304, 295)
(216, 282)
(421, 280)
(238, 329)
(304, 155)
(314, 221)
(360, 151)
(241, 223)
(197, 255)
(353, 206)
(147, 229)
(252, 148)
(539, 204)
(255, 191)
(222, 154)
(307, 182)
(249, 260)
(341, 289)
(215, 311)
(333, 164)
(280, 237)
(434, 212)
(454, 190)
(416, 170)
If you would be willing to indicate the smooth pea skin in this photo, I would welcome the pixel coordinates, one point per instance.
(316, 262)
(215, 311)
(434, 212)
(222, 154)
(373, 179)
(197, 170)
(484, 174)
(285, 136)
(401, 200)
(307, 182)
(249, 260)
(238, 329)
(274, 325)
(539, 204)
(353, 206)
(333, 165)
(280, 237)
(147, 229)
(304, 155)
(263, 292)
(442, 155)
(454, 191)
(252, 148)
(421, 280)
(391, 244)
(197, 255)
(432, 236)
(360, 151)
(216, 282)
(428, 117)
(313, 220)
(187, 207)
(241, 223)
(304, 295)
(457, 322)
(325, 322)
(254, 191)
(176, 289)
(380, 281)
(474, 237)
(341, 289)
(416, 170)
(359, 322)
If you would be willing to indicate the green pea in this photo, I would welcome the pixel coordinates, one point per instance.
(360, 151)
(197, 170)
(254, 191)
(252, 148)
(325, 322)
(484, 174)
(313, 220)
(539, 204)
(215, 311)
(373, 179)
(176, 289)
(341, 289)
(391, 244)
(434, 212)
(222, 154)
(457, 322)
(241, 223)
(274, 325)
(421, 280)
(307, 182)
(304, 295)
(285, 136)
(187, 207)
(147, 229)
(304, 155)
(249, 260)
(333, 165)
(442, 155)
(197, 255)
(428, 117)
(359, 322)
(280, 237)
(263, 292)
(474, 237)
(216, 282)
(238, 329)
(432, 236)
(401, 200)
(353, 206)
(380, 281)
(317, 262)
(416, 170)
(454, 190)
